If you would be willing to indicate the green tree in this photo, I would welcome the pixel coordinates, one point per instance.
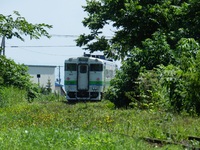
(17, 26)
(176, 86)
(147, 35)
(134, 21)
(13, 74)
(153, 52)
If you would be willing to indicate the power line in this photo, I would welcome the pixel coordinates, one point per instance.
(49, 54)
(44, 53)
(28, 49)
(74, 36)
(41, 46)
(64, 35)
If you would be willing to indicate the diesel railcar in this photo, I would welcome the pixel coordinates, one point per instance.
(87, 77)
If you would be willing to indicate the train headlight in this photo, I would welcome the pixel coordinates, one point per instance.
(95, 88)
(70, 88)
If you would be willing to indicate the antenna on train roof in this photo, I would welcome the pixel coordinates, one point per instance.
(86, 55)
(97, 56)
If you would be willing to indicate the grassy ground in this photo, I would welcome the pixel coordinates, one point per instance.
(81, 126)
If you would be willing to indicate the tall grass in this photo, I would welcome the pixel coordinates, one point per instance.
(11, 96)
(58, 125)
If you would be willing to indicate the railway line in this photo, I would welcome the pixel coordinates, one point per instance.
(187, 142)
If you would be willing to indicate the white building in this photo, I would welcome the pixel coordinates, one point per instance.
(42, 74)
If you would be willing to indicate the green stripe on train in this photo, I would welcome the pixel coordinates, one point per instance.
(96, 82)
(73, 82)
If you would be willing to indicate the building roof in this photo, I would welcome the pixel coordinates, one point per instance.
(48, 66)
(58, 85)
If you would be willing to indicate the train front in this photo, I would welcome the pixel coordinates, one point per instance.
(84, 79)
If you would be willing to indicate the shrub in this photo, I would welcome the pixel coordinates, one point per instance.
(122, 83)
(13, 74)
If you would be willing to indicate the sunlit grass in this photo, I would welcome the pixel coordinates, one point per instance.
(57, 125)
(52, 138)
(10, 96)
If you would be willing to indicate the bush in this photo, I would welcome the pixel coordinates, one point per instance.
(149, 91)
(192, 77)
(172, 88)
(13, 74)
(32, 92)
(122, 83)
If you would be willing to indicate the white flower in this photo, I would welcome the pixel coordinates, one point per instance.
(26, 131)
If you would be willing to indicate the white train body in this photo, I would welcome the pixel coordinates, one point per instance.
(86, 78)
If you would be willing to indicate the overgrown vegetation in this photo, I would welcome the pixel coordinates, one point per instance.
(14, 77)
(170, 87)
(57, 125)
(158, 44)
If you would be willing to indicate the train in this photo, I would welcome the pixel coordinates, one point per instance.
(87, 77)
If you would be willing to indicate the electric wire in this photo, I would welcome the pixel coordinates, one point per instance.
(45, 46)
(27, 47)
(40, 46)
(50, 54)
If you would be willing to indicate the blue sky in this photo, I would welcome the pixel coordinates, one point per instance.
(66, 17)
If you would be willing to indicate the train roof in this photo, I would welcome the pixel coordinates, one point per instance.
(100, 58)
(82, 58)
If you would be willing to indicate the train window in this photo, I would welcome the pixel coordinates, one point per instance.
(83, 69)
(96, 67)
(70, 67)
(84, 59)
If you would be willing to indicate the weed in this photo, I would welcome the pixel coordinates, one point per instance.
(57, 125)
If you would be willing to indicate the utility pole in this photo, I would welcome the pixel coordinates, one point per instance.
(59, 80)
(38, 76)
(2, 46)
(59, 74)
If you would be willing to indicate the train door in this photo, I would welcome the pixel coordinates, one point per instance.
(83, 77)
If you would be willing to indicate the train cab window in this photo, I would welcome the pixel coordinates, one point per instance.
(83, 69)
(96, 67)
(70, 67)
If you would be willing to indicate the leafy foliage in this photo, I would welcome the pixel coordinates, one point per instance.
(158, 40)
(16, 27)
(155, 51)
(176, 86)
(135, 21)
(16, 75)
(12, 74)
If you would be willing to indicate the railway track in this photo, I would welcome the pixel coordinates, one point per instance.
(186, 142)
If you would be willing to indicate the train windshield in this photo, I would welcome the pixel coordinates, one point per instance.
(96, 67)
(70, 67)
(83, 69)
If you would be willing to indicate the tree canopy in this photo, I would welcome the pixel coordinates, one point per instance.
(15, 26)
(137, 20)
(13, 74)
(159, 43)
